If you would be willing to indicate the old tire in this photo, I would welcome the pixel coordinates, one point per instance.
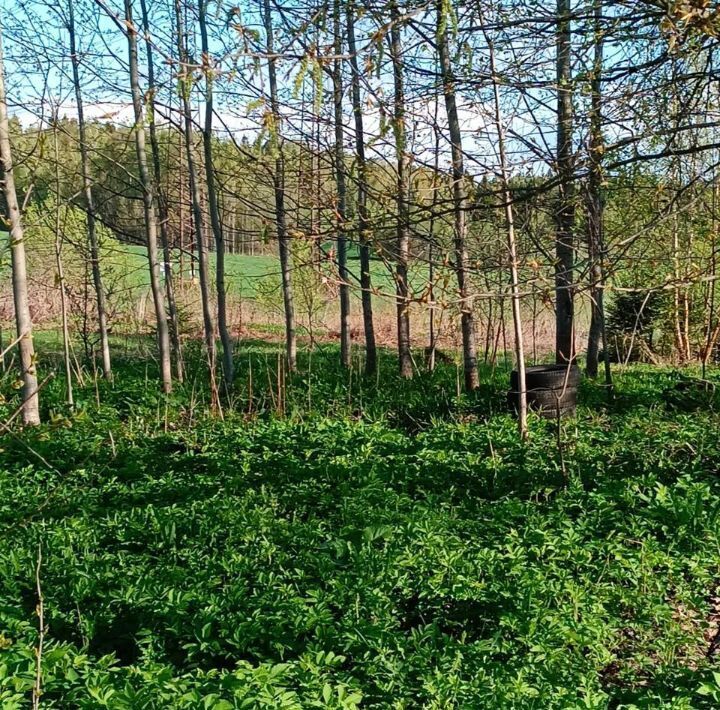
(548, 377)
(551, 389)
(546, 401)
(552, 399)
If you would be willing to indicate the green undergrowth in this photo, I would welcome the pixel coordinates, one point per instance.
(361, 543)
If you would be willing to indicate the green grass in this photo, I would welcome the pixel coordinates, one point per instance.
(378, 544)
(243, 273)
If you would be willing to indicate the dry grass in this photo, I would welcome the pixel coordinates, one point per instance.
(250, 318)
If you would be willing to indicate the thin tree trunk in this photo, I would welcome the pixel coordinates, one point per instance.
(712, 331)
(28, 373)
(60, 270)
(459, 204)
(403, 188)
(362, 197)
(279, 191)
(225, 339)
(314, 178)
(432, 344)
(148, 189)
(564, 266)
(596, 210)
(185, 87)
(233, 221)
(162, 203)
(687, 247)
(181, 205)
(317, 177)
(340, 177)
(89, 200)
(512, 248)
(679, 340)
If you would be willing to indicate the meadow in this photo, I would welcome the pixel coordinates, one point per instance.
(349, 543)
(244, 272)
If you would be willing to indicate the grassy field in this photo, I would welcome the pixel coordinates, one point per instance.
(244, 272)
(355, 543)
(255, 304)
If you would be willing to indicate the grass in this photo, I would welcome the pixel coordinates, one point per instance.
(244, 273)
(379, 544)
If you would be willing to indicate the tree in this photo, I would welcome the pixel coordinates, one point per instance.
(278, 179)
(363, 221)
(595, 209)
(511, 242)
(87, 190)
(60, 267)
(225, 339)
(185, 89)
(402, 246)
(148, 195)
(565, 214)
(161, 201)
(28, 373)
(460, 201)
(340, 178)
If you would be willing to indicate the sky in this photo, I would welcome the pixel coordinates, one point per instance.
(38, 72)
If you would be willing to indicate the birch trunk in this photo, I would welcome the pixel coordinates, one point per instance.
(403, 188)
(512, 248)
(341, 182)
(185, 87)
(89, 199)
(225, 339)
(162, 203)
(460, 205)
(28, 372)
(596, 210)
(362, 197)
(60, 271)
(279, 192)
(148, 190)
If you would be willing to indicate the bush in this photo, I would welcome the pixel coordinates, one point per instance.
(632, 320)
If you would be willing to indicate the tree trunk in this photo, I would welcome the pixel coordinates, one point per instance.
(148, 189)
(162, 203)
(434, 186)
(279, 191)
(181, 204)
(340, 178)
(459, 204)
(677, 316)
(712, 330)
(403, 189)
(225, 339)
(185, 87)
(89, 200)
(60, 270)
(596, 209)
(28, 373)
(565, 216)
(512, 248)
(362, 196)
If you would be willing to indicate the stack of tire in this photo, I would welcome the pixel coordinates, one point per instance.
(551, 389)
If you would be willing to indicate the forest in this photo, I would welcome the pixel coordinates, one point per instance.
(359, 354)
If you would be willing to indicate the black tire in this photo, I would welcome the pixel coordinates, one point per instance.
(546, 407)
(552, 399)
(548, 377)
(546, 401)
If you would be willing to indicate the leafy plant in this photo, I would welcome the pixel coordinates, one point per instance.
(378, 546)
